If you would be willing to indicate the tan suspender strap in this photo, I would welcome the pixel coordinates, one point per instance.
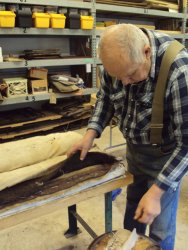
(158, 99)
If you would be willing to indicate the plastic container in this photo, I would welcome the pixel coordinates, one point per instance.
(24, 18)
(7, 19)
(73, 21)
(57, 21)
(41, 20)
(87, 22)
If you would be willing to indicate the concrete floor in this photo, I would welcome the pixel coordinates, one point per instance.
(47, 232)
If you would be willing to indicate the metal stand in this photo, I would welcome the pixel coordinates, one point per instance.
(73, 229)
(110, 142)
(73, 216)
(85, 225)
(108, 212)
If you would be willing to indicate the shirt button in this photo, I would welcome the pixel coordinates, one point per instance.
(132, 100)
(129, 115)
(125, 129)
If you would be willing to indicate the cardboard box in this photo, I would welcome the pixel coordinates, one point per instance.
(38, 73)
(39, 86)
(16, 86)
(109, 23)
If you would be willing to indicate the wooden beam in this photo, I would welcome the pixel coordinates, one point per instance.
(33, 212)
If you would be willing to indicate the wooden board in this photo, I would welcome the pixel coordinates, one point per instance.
(162, 4)
(40, 128)
(141, 4)
(48, 116)
(150, 27)
(51, 181)
(15, 216)
(122, 3)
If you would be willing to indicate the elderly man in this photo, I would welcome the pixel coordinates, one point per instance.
(133, 58)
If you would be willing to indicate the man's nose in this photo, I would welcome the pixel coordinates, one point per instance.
(126, 80)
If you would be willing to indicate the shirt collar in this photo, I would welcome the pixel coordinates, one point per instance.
(150, 34)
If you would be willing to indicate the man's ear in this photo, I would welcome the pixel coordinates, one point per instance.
(147, 51)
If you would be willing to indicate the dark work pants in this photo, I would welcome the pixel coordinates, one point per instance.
(145, 163)
(135, 191)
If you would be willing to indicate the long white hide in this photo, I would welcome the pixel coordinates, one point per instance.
(11, 178)
(26, 152)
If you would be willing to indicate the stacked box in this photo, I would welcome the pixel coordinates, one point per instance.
(16, 86)
(39, 84)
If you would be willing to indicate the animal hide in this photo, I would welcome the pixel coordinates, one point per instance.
(11, 178)
(26, 152)
(55, 179)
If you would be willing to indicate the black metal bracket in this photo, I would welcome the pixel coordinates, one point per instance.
(73, 229)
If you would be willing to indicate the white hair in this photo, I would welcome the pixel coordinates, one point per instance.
(127, 37)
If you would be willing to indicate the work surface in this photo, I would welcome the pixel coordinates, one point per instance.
(23, 212)
(46, 232)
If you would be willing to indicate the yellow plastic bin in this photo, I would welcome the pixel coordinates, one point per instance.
(57, 21)
(7, 19)
(87, 22)
(41, 20)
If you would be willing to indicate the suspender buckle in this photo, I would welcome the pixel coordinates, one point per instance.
(156, 133)
(156, 126)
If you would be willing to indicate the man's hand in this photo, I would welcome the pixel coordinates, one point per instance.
(84, 145)
(149, 206)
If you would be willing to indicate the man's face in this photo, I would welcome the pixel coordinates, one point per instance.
(126, 71)
(138, 73)
(131, 74)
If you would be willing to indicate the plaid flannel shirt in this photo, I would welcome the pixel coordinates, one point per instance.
(132, 105)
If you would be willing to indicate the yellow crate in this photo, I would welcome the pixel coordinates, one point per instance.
(7, 19)
(87, 22)
(57, 21)
(41, 20)
(109, 23)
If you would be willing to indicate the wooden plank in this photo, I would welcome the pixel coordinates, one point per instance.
(162, 4)
(150, 27)
(147, 3)
(122, 3)
(33, 213)
(41, 128)
(184, 3)
(46, 118)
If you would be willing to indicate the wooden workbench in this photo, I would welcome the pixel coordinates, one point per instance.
(26, 211)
